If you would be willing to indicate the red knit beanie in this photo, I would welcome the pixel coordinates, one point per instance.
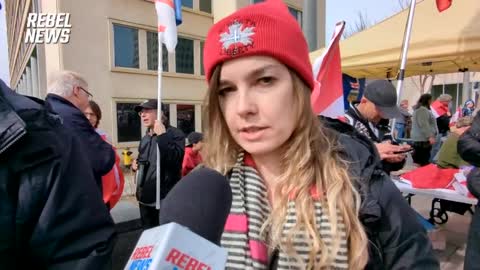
(267, 29)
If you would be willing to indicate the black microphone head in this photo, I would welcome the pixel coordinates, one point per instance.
(200, 201)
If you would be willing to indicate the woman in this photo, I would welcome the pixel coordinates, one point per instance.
(94, 114)
(424, 130)
(294, 203)
(113, 182)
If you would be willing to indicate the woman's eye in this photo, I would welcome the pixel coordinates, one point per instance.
(224, 91)
(266, 80)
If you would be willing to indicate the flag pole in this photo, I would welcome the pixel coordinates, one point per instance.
(159, 111)
(406, 42)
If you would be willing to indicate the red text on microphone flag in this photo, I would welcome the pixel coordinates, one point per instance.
(184, 261)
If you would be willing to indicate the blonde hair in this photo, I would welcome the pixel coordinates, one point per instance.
(311, 157)
(62, 82)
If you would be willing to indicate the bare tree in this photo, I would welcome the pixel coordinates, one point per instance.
(403, 4)
(422, 84)
(360, 24)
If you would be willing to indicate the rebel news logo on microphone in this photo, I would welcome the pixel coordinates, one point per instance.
(48, 28)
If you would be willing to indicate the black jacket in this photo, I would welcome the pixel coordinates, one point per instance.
(397, 239)
(52, 215)
(469, 149)
(172, 149)
(99, 152)
(443, 124)
(363, 127)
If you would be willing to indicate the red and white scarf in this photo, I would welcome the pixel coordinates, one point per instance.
(247, 247)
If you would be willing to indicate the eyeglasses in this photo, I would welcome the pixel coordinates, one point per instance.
(90, 96)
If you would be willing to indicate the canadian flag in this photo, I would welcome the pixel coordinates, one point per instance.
(169, 16)
(327, 96)
(438, 109)
(443, 4)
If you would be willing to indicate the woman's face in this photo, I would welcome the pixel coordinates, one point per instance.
(92, 117)
(256, 99)
(469, 105)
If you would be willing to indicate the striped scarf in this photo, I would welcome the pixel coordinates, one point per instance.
(247, 247)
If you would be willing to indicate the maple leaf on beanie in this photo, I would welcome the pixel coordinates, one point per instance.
(267, 29)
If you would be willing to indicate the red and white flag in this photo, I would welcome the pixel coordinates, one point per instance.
(438, 109)
(167, 23)
(455, 117)
(443, 4)
(327, 96)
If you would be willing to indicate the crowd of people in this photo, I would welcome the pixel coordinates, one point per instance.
(309, 192)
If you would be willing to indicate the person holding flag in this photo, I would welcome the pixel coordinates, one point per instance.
(171, 143)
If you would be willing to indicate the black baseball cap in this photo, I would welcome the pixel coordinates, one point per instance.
(382, 93)
(194, 137)
(147, 104)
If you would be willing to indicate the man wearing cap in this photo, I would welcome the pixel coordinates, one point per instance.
(192, 152)
(171, 142)
(379, 102)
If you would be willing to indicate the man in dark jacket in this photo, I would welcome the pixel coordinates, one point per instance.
(68, 96)
(171, 143)
(469, 149)
(379, 102)
(396, 239)
(52, 215)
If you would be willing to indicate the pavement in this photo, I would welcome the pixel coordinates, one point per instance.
(455, 232)
(129, 228)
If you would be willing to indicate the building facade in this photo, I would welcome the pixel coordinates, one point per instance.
(113, 43)
(436, 85)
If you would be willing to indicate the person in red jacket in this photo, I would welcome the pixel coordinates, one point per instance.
(192, 152)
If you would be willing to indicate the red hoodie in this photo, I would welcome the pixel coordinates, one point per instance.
(190, 160)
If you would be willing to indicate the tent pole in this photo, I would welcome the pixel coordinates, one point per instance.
(406, 41)
(403, 61)
(466, 90)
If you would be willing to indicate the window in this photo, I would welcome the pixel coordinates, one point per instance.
(128, 123)
(202, 44)
(257, 1)
(152, 52)
(186, 118)
(297, 14)
(187, 3)
(126, 46)
(206, 6)
(184, 56)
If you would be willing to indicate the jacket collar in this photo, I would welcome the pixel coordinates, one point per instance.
(56, 98)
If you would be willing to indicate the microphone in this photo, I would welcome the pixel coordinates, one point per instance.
(192, 219)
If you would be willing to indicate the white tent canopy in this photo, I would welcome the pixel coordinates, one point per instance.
(443, 42)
